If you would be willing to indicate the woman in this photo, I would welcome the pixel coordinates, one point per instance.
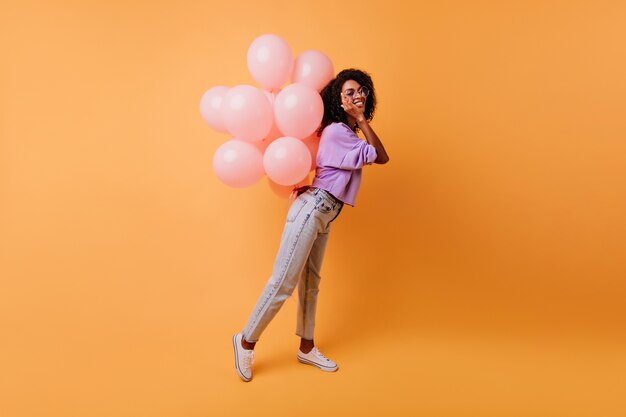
(349, 103)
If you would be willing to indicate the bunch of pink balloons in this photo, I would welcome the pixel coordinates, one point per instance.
(273, 130)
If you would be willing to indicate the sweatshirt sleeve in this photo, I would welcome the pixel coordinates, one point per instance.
(362, 154)
(350, 152)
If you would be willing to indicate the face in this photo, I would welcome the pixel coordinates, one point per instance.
(355, 93)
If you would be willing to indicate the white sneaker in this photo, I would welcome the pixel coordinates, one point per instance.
(243, 358)
(315, 358)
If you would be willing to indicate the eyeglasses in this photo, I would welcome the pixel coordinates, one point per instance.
(363, 92)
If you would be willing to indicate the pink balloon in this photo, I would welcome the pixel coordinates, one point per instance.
(238, 163)
(298, 110)
(284, 191)
(287, 161)
(312, 143)
(314, 69)
(270, 61)
(210, 106)
(274, 132)
(271, 97)
(247, 113)
(262, 145)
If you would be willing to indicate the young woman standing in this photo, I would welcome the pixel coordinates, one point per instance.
(349, 104)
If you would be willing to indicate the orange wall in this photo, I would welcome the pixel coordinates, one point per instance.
(500, 214)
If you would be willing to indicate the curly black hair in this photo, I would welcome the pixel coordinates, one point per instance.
(331, 95)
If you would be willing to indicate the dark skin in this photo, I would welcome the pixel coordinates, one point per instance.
(354, 108)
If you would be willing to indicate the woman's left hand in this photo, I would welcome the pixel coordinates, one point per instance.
(296, 192)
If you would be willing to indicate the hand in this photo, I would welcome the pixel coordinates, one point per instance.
(296, 192)
(302, 189)
(351, 109)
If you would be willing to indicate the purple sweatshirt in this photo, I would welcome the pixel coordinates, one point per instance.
(340, 157)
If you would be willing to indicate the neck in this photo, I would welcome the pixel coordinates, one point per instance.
(351, 121)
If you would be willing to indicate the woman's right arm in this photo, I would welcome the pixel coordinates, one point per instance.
(370, 135)
(372, 139)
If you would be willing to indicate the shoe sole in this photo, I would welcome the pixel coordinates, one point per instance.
(241, 375)
(323, 368)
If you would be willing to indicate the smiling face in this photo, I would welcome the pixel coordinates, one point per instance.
(355, 93)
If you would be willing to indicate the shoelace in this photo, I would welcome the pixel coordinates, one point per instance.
(319, 354)
(248, 359)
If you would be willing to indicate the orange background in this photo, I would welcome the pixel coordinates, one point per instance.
(481, 273)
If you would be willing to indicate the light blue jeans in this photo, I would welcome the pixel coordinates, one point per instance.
(299, 261)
